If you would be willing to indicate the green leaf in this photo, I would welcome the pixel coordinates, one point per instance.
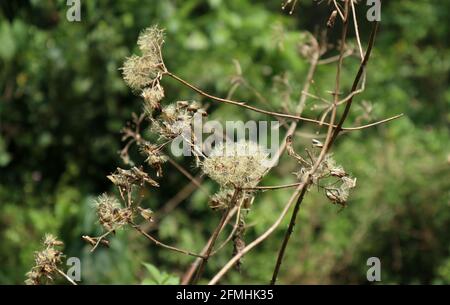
(154, 272)
(157, 277)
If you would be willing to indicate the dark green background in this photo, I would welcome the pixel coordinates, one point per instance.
(63, 103)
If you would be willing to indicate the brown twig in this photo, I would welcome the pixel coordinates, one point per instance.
(271, 187)
(362, 67)
(280, 151)
(186, 278)
(158, 243)
(272, 113)
(307, 181)
(258, 240)
(66, 277)
(187, 175)
(215, 235)
(332, 134)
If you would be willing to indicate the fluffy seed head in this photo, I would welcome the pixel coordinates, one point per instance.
(46, 261)
(141, 71)
(175, 119)
(51, 241)
(109, 213)
(146, 70)
(150, 40)
(238, 164)
(152, 96)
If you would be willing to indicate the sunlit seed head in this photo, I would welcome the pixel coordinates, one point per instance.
(152, 96)
(108, 208)
(239, 164)
(150, 40)
(46, 261)
(146, 70)
(51, 241)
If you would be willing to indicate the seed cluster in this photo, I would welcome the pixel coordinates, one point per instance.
(236, 164)
(46, 262)
(143, 73)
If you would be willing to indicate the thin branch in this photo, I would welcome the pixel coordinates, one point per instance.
(230, 236)
(332, 59)
(357, 79)
(272, 187)
(215, 236)
(339, 10)
(99, 239)
(241, 104)
(355, 23)
(258, 240)
(276, 114)
(66, 277)
(375, 123)
(188, 175)
(325, 148)
(158, 243)
(186, 278)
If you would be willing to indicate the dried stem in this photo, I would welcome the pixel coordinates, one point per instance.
(215, 235)
(289, 133)
(66, 277)
(355, 23)
(272, 113)
(325, 148)
(158, 243)
(188, 175)
(272, 187)
(186, 279)
(258, 240)
(362, 67)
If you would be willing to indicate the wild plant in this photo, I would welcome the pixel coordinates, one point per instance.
(237, 167)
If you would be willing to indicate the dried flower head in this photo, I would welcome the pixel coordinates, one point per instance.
(175, 119)
(329, 168)
(146, 70)
(151, 40)
(147, 214)
(337, 191)
(339, 195)
(152, 97)
(110, 214)
(155, 158)
(124, 178)
(236, 164)
(221, 200)
(51, 241)
(141, 71)
(47, 262)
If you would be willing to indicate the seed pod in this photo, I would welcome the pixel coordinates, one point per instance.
(332, 19)
(147, 214)
(317, 143)
(338, 172)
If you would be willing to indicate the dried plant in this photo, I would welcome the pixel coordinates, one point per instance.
(238, 167)
(239, 164)
(47, 263)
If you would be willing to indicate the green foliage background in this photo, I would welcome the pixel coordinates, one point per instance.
(63, 103)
